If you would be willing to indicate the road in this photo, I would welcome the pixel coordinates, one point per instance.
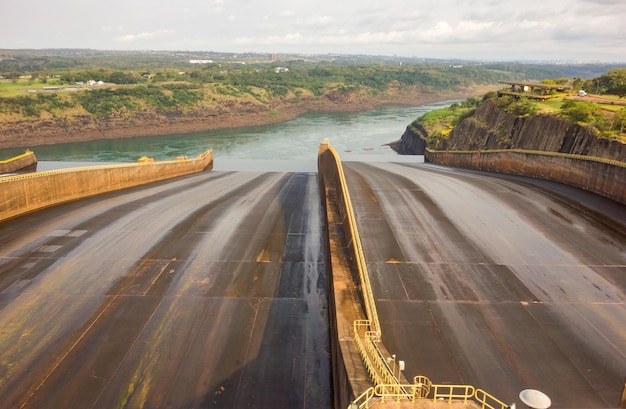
(206, 291)
(500, 282)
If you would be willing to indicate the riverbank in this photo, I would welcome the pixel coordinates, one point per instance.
(27, 134)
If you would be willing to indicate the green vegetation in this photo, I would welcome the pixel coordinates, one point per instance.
(55, 83)
(105, 101)
(613, 83)
(606, 123)
(34, 105)
(520, 106)
(605, 114)
(104, 91)
(440, 122)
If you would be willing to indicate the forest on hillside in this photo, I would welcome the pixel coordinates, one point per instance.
(36, 84)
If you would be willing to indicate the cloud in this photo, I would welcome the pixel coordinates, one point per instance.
(315, 21)
(492, 28)
(129, 38)
(292, 38)
(109, 28)
(605, 2)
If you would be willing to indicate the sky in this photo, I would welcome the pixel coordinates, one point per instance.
(494, 30)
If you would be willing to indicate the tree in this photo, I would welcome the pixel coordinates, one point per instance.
(578, 111)
(615, 81)
(523, 106)
(578, 84)
(120, 77)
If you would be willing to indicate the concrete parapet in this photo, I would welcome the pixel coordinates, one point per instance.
(24, 162)
(22, 194)
(602, 176)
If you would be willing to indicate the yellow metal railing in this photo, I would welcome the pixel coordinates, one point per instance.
(452, 393)
(367, 343)
(394, 391)
(361, 326)
(370, 304)
(422, 386)
(488, 401)
(420, 390)
(364, 400)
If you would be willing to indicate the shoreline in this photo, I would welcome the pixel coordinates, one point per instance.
(29, 134)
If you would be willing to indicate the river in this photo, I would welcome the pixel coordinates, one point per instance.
(355, 135)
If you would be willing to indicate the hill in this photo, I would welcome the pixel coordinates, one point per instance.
(51, 96)
(562, 122)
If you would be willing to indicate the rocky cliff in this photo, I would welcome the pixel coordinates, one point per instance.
(492, 128)
(413, 141)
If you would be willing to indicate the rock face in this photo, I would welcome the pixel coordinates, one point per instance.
(492, 128)
(413, 141)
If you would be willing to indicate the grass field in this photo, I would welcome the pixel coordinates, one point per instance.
(551, 105)
(611, 103)
(12, 88)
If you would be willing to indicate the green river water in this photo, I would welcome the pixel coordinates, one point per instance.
(355, 135)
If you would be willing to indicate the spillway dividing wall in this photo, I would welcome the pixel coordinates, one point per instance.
(332, 176)
(350, 376)
(329, 180)
(602, 176)
(22, 194)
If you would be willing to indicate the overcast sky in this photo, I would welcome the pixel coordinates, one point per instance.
(589, 30)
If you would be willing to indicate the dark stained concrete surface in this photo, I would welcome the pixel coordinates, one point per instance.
(211, 291)
(503, 283)
(207, 291)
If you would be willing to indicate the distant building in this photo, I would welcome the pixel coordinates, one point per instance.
(280, 69)
(200, 61)
(532, 90)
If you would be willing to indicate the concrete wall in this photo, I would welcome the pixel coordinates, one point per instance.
(601, 176)
(330, 185)
(350, 378)
(25, 161)
(26, 193)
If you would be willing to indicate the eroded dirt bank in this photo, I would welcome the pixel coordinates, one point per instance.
(25, 134)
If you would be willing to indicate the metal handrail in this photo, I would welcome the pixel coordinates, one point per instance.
(488, 401)
(364, 399)
(394, 391)
(452, 392)
(422, 386)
